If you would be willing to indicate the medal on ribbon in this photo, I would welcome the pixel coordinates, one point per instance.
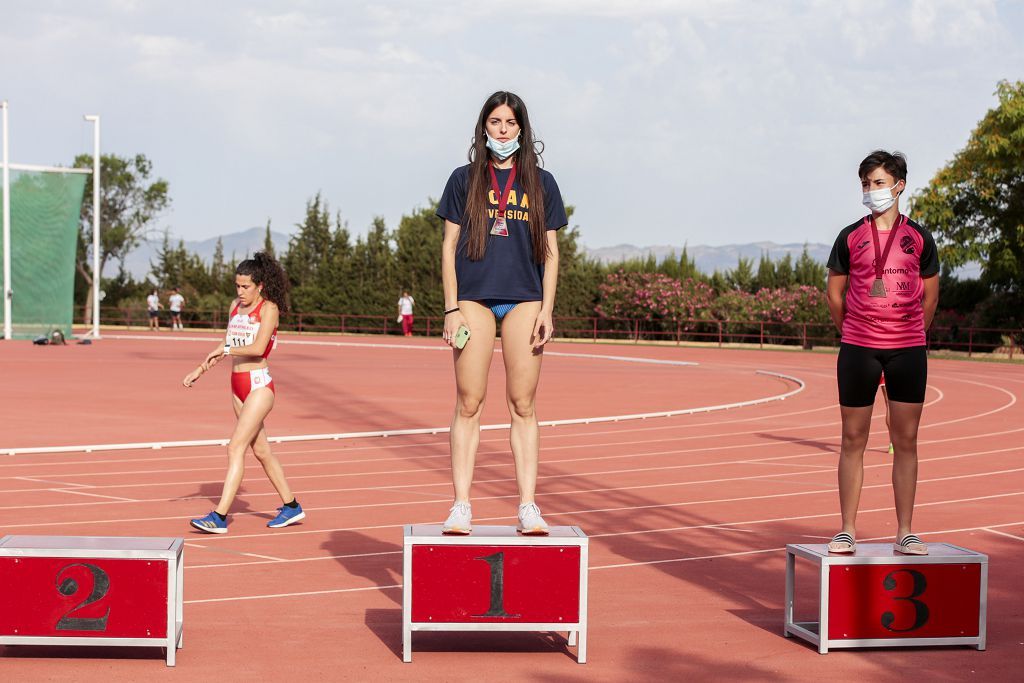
(500, 228)
(878, 286)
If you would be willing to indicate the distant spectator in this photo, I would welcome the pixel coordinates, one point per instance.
(405, 305)
(153, 305)
(176, 302)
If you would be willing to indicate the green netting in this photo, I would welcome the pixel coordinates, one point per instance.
(45, 209)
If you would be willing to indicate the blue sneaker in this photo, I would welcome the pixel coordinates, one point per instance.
(286, 516)
(210, 524)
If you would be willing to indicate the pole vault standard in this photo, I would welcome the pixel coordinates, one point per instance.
(8, 288)
(95, 119)
(7, 229)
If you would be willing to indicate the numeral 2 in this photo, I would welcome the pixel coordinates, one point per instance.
(68, 587)
(921, 612)
(497, 563)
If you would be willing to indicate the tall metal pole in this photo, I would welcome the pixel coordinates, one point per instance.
(96, 275)
(8, 291)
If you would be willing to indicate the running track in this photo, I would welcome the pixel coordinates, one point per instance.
(688, 514)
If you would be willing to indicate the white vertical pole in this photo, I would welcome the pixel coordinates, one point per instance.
(7, 291)
(96, 275)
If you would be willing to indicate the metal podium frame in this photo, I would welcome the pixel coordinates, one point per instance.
(874, 553)
(171, 550)
(430, 534)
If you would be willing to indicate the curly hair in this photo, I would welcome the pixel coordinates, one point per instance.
(266, 271)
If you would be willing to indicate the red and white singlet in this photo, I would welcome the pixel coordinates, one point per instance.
(242, 331)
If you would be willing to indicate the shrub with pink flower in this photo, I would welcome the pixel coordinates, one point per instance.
(653, 298)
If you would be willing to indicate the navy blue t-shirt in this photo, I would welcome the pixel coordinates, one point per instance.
(507, 270)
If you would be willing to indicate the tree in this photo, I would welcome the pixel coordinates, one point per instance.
(417, 259)
(578, 276)
(808, 271)
(742, 276)
(268, 243)
(765, 273)
(129, 205)
(975, 204)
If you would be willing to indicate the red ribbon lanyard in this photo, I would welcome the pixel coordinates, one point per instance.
(882, 256)
(502, 194)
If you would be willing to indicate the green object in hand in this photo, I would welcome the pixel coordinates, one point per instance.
(461, 337)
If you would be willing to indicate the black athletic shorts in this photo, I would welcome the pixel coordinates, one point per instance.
(859, 368)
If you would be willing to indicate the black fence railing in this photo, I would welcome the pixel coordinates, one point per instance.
(969, 340)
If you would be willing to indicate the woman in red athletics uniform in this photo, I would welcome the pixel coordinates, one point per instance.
(252, 334)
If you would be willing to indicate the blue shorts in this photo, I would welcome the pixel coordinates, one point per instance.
(499, 307)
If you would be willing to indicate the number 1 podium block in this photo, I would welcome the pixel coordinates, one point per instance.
(877, 597)
(99, 591)
(495, 580)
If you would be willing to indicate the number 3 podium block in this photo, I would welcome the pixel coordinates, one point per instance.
(495, 580)
(880, 598)
(74, 590)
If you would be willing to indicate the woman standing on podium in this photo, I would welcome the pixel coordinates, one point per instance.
(499, 266)
(882, 294)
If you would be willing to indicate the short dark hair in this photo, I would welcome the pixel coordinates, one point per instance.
(894, 163)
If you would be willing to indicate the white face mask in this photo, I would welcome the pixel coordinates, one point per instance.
(879, 201)
(502, 150)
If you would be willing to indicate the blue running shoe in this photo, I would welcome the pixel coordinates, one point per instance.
(286, 516)
(211, 524)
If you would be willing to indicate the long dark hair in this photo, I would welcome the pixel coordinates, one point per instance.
(528, 162)
(264, 270)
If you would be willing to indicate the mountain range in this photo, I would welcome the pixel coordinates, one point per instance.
(708, 258)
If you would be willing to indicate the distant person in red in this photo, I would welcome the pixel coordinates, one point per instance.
(405, 304)
(882, 294)
(261, 286)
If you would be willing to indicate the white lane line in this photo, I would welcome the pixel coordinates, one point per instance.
(553, 435)
(621, 565)
(81, 493)
(790, 494)
(1003, 533)
(293, 595)
(395, 488)
(228, 551)
(800, 385)
(571, 475)
(801, 517)
(45, 481)
(300, 559)
(446, 456)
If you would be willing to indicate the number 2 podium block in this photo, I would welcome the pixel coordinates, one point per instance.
(495, 580)
(877, 597)
(100, 591)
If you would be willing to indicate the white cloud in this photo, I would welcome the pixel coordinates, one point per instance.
(643, 105)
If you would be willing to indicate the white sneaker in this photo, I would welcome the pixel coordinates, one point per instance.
(530, 521)
(460, 521)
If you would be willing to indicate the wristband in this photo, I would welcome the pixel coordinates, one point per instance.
(451, 310)
(227, 349)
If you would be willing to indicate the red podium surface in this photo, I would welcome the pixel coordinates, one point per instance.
(877, 597)
(495, 580)
(74, 590)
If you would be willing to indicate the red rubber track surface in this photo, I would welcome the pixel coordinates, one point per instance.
(688, 515)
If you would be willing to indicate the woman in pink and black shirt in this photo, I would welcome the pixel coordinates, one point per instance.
(882, 293)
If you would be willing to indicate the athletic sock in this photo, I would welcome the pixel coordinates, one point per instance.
(294, 504)
(222, 517)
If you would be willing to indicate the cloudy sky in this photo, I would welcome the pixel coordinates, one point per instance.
(666, 122)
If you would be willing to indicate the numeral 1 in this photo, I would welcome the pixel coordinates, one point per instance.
(497, 563)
